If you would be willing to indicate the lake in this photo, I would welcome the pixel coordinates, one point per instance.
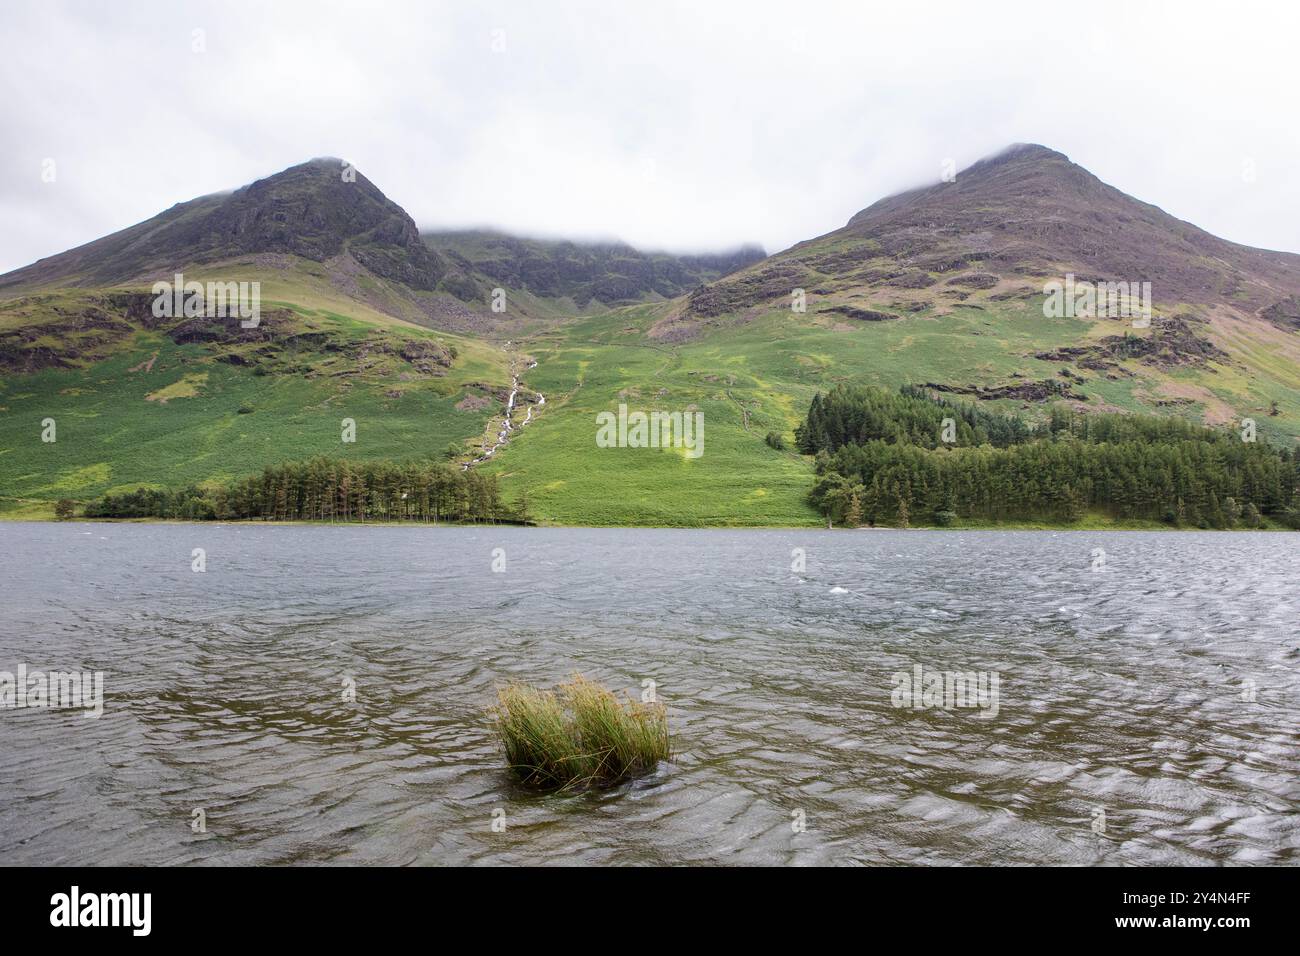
(320, 694)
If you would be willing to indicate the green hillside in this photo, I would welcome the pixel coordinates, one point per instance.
(167, 405)
(759, 375)
(367, 319)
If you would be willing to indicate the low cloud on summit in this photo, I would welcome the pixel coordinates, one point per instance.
(672, 125)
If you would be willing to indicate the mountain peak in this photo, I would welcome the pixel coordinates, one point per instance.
(1018, 152)
(1024, 157)
(317, 209)
(1016, 167)
(1007, 223)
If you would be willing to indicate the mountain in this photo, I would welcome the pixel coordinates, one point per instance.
(309, 210)
(942, 288)
(367, 319)
(586, 274)
(1003, 227)
(325, 212)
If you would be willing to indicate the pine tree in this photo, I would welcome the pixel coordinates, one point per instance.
(1231, 511)
(853, 518)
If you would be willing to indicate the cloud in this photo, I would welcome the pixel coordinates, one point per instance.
(670, 125)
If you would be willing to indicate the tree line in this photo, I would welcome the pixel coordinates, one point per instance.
(855, 415)
(328, 489)
(882, 458)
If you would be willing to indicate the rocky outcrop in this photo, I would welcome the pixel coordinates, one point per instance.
(862, 315)
(1173, 343)
(775, 282)
(58, 332)
(66, 338)
(1048, 390)
(975, 280)
(1284, 314)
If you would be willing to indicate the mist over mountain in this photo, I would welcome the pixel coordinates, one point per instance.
(1026, 213)
(327, 212)
(309, 210)
(608, 272)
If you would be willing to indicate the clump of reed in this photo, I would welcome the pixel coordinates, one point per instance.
(578, 735)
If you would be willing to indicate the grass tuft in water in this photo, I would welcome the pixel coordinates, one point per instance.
(579, 735)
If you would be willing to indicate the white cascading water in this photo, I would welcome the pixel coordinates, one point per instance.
(507, 424)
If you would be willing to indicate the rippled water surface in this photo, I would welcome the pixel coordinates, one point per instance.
(1155, 700)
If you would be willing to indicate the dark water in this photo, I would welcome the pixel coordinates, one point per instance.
(1147, 712)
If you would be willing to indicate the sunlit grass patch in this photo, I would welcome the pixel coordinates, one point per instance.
(578, 735)
(187, 386)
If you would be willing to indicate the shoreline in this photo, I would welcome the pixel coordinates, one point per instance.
(814, 526)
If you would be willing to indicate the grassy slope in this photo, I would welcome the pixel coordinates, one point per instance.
(772, 366)
(111, 437)
(583, 369)
(115, 432)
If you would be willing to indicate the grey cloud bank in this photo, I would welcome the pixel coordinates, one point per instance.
(675, 126)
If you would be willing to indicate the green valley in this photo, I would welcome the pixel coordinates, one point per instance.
(366, 319)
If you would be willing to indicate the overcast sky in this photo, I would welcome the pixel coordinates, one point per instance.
(683, 126)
